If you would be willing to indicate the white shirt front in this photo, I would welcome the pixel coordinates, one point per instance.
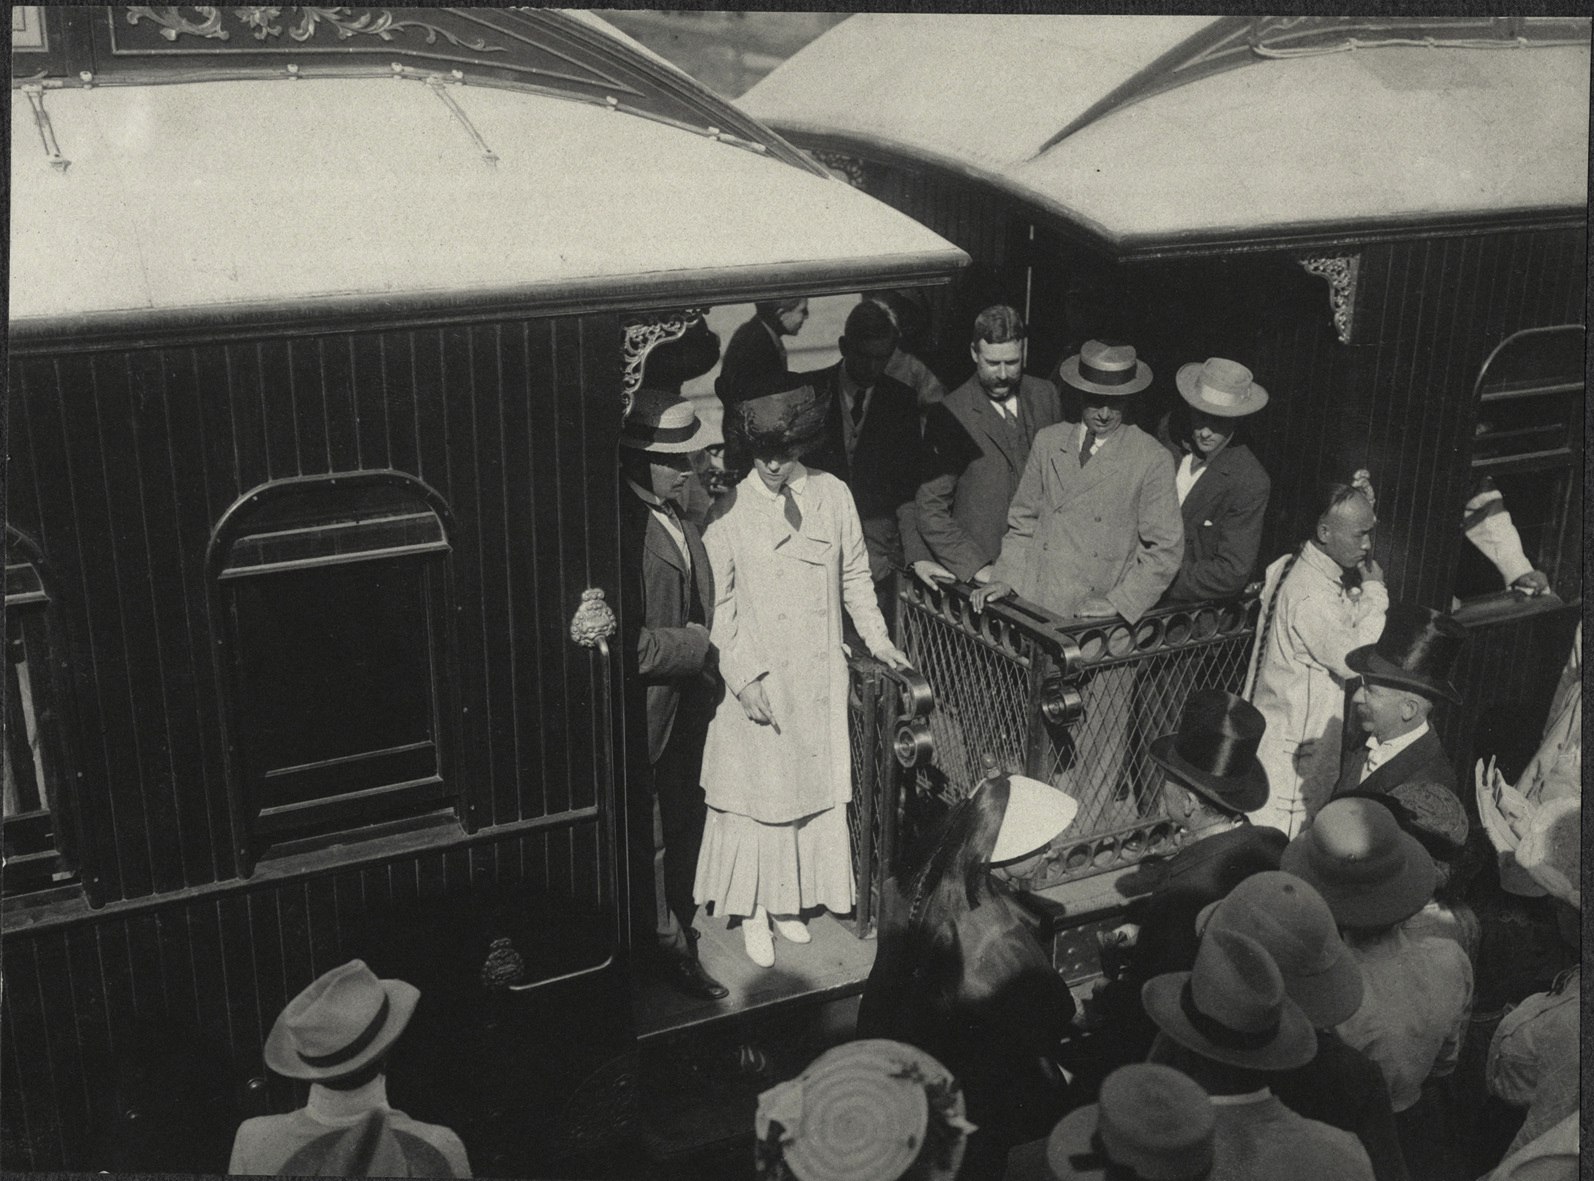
(1187, 474)
(1379, 753)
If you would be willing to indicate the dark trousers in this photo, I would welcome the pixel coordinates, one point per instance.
(675, 791)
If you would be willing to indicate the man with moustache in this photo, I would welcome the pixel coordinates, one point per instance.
(667, 605)
(976, 443)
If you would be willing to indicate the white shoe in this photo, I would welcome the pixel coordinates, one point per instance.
(793, 930)
(756, 939)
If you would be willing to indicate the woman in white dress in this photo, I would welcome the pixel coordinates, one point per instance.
(788, 553)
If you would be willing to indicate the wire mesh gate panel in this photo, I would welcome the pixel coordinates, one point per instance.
(1074, 703)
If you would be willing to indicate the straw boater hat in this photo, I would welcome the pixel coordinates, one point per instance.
(1220, 387)
(1149, 1122)
(1551, 850)
(345, 1020)
(1036, 813)
(1214, 752)
(1232, 1008)
(1110, 369)
(780, 411)
(866, 1111)
(1369, 872)
(1293, 923)
(662, 423)
(1417, 651)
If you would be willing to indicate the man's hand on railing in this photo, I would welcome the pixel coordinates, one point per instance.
(985, 594)
(932, 574)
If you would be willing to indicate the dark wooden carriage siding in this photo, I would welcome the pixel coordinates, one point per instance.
(121, 463)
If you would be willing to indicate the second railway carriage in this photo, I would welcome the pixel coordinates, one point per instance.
(1384, 218)
(323, 322)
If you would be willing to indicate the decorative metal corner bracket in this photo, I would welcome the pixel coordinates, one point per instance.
(642, 336)
(1339, 271)
(849, 168)
(41, 120)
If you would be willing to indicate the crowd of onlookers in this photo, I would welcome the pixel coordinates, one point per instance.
(1289, 994)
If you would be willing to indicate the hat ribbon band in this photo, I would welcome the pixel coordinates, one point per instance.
(1223, 1035)
(644, 433)
(1108, 376)
(355, 1048)
(1097, 1161)
(1216, 753)
(1222, 397)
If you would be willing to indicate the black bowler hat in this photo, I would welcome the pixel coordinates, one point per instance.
(1416, 651)
(1214, 752)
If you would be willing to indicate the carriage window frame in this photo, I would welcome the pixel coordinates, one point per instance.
(1549, 449)
(395, 532)
(41, 845)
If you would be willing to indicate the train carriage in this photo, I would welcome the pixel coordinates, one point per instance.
(323, 322)
(1385, 218)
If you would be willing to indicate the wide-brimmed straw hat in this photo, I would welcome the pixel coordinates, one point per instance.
(1370, 872)
(1148, 1119)
(345, 1020)
(1036, 813)
(1291, 920)
(1232, 1007)
(1109, 369)
(866, 1111)
(662, 423)
(1214, 751)
(1417, 651)
(778, 412)
(1551, 850)
(1220, 387)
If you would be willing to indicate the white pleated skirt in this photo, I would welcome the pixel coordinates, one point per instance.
(785, 868)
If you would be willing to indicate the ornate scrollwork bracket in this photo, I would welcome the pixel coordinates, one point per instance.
(849, 168)
(594, 622)
(911, 740)
(1339, 271)
(644, 334)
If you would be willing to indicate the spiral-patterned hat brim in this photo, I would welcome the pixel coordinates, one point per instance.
(863, 1120)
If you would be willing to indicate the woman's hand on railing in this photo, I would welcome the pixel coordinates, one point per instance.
(932, 574)
(893, 658)
(985, 594)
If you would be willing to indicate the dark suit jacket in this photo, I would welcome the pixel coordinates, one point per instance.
(1424, 760)
(1344, 1088)
(667, 657)
(1222, 524)
(972, 470)
(883, 474)
(751, 353)
(1179, 888)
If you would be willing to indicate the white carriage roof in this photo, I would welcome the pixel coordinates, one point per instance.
(260, 194)
(1145, 129)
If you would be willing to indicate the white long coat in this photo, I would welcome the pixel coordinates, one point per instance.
(1298, 682)
(777, 615)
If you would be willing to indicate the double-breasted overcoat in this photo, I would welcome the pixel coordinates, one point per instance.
(778, 615)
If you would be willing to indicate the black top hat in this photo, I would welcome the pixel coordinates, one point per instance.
(1214, 752)
(777, 412)
(1416, 651)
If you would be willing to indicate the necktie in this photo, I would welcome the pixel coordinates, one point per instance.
(794, 515)
(1374, 758)
(1084, 450)
(857, 408)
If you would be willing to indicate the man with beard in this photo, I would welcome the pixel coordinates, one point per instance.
(976, 443)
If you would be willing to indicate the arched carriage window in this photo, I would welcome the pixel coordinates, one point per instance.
(39, 837)
(333, 591)
(1528, 439)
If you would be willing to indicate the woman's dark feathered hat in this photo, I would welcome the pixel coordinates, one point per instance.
(780, 412)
